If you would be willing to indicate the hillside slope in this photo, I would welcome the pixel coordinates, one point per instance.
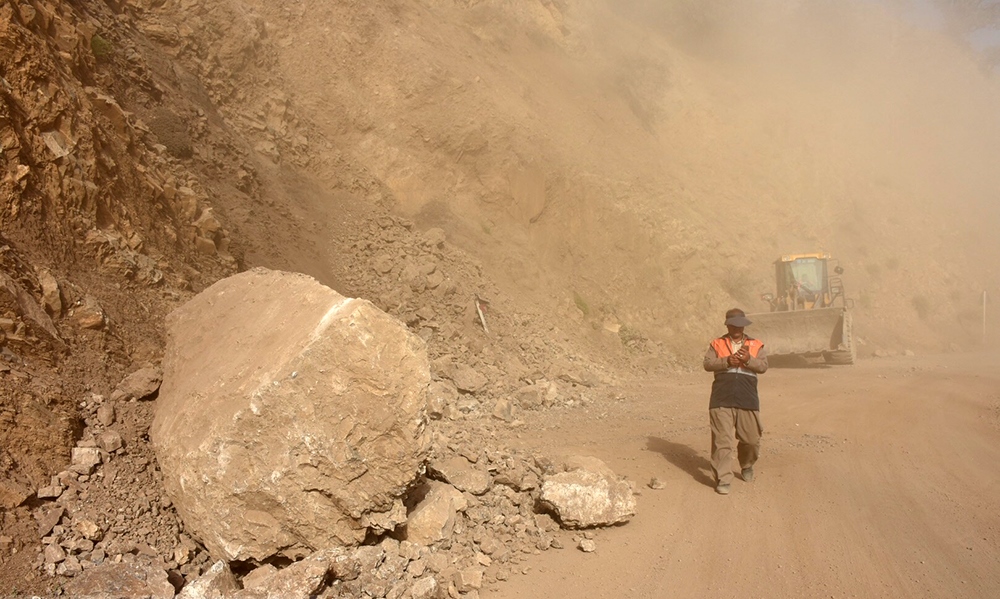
(611, 176)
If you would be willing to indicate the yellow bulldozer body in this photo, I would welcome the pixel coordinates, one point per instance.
(810, 315)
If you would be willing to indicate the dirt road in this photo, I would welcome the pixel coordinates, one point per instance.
(878, 480)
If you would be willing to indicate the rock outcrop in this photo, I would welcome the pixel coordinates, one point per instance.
(289, 415)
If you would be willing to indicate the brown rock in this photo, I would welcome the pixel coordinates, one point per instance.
(467, 379)
(433, 519)
(106, 414)
(462, 475)
(88, 314)
(48, 518)
(139, 385)
(109, 441)
(134, 579)
(12, 493)
(51, 298)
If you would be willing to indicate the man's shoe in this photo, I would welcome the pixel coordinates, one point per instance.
(748, 475)
(722, 489)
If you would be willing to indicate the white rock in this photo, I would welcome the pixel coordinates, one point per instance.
(288, 414)
(218, 582)
(588, 493)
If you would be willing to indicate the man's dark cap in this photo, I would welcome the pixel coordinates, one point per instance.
(737, 318)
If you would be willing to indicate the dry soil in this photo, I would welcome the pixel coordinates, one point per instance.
(877, 480)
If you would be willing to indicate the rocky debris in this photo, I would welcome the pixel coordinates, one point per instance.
(587, 545)
(434, 518)
(87, 313)
(51, 296)
(586, 493)
(219, 582)
(138, 385)
(462, 474)
(282, 425)
(15, 300)
(139, 578)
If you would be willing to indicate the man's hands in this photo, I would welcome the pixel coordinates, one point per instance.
(740, 358)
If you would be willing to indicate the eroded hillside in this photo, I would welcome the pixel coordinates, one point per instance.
(611, 176)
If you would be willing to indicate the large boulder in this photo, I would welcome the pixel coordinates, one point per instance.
(289, 415)
(585, 493)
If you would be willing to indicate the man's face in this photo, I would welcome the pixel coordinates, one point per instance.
(735, 332)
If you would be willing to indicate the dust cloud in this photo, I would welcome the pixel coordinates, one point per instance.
(836, 126)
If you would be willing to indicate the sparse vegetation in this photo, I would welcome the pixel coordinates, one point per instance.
(631, 337)
(101, 47)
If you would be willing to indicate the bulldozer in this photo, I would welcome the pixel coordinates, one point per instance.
(810, 315)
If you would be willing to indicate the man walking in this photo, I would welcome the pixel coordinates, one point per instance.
(734, 408)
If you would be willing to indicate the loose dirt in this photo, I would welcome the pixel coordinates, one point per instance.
(876, 480)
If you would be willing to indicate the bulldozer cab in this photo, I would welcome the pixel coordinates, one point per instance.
(804, 283)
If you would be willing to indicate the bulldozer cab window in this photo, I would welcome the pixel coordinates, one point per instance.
(809, 274)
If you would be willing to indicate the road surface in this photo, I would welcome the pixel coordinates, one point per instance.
(875, 480)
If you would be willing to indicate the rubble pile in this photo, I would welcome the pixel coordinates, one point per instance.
(128, 180)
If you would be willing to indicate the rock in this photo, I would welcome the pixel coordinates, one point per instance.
(468, 580)
(126, 579)
(384, 522)
(440, 395)
(48, 518)
(424, 588)
(71, 566)
(462, 475)
(13, 298)
(106, 414)
(54, 554)
(258, 576)
(434, 237)
(657, 484)
(50, 492)
(218, 582)
(909, 353)
(532, 396)
(288, 415)
(467, 379)
(504, 410)
(185, 550)
(433, 519)
(303, 579)
(85, 459)
(51, 297)
(109, 441)
(88, 314)
(88, 529)
(139, 385)
(205, 246)
(587, 546)
(12, 493)
(587, 493)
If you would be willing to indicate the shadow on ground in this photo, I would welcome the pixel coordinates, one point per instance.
(684, 458)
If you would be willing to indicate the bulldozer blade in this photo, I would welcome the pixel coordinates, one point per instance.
(804, 332)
